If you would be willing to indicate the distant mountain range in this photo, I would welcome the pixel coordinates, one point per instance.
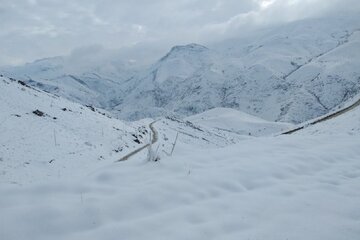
(289, 73)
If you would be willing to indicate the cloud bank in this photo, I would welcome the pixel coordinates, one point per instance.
(143, 29)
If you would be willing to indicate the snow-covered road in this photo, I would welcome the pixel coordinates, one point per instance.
(153, 141)
(326, 117)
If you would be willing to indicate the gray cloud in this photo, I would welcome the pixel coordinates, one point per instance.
(32, 29)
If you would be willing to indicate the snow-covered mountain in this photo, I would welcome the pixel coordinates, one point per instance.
(290, 73)
(296, 72)
(97, 85)
(185, 81)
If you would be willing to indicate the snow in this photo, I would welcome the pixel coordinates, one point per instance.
(181, 62)
(300, 186)
(69, 136)
(235, 121)
(346, 124)
(231, 174)
(290, 73)
(271, 188)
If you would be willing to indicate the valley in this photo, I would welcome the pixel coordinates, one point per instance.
(256, 137)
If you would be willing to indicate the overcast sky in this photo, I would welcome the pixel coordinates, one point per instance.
(33, 29)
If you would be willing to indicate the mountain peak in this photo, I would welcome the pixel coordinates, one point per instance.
(49, 60)
(190, 47)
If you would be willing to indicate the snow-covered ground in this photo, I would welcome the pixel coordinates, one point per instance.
(68, 136)
(71, 136)
(346, 124)
(231, 120)
(300, 186)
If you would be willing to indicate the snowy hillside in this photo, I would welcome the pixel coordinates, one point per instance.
(345, 124)
(46, 137)
(291, 73)
(187, 80)
(97, 85)
(300, 186)
(296, 72)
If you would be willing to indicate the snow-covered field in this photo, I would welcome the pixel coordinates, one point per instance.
(300, 186)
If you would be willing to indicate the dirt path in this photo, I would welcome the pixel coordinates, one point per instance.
(154, 140)
(331, 116)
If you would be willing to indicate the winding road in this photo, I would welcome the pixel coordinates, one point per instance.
(154, 140)
(328, 117)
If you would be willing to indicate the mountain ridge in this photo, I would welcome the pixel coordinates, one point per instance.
(290, 73)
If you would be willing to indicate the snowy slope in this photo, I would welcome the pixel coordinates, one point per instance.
(68, 136)
(231, 120)
(345, 124)
(96, 85)
(187, 80)
(287, 187)
(297, 72)
(71, 140)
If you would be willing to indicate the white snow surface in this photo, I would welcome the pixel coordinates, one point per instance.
(235, 121)
(346, 124)
(301, 186)
(69, 136)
